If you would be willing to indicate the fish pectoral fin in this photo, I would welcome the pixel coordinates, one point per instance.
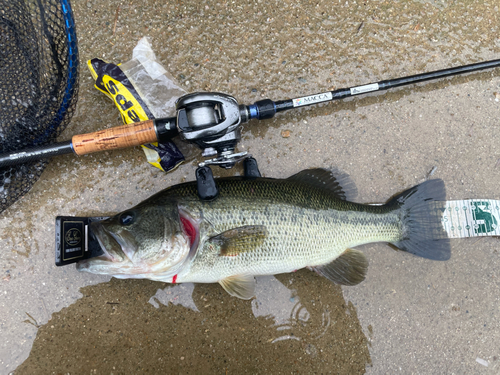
(348, 269)
(241, 286)
(240, 240)
(336, 182)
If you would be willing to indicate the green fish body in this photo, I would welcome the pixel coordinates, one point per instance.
(264, 226)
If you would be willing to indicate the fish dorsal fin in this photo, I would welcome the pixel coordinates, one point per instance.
(240, 240)
(333, 180)
(241, 286)
(348, 269)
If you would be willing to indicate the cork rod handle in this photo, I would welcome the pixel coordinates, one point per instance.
(123, 136)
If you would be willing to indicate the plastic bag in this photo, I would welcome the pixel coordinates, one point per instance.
(142, 89)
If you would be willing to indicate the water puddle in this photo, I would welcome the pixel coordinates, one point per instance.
(297, 322)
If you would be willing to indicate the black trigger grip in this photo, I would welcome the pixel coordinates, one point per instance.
(207, 188)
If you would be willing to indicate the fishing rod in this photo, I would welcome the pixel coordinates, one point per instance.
(212, 121)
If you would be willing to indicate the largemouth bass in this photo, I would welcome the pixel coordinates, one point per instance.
(264, 226)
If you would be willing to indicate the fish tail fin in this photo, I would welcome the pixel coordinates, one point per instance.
(421, 209)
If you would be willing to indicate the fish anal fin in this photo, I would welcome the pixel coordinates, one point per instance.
(336, 182)
(241, 286)
(240, 240)
(348, 269)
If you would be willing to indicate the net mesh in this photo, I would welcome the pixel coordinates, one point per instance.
(38, 84)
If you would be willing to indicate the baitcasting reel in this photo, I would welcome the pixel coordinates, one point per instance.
(212, 122)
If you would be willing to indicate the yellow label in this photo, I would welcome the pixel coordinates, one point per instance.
(129, 107)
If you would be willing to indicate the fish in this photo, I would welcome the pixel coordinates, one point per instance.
(265, 226)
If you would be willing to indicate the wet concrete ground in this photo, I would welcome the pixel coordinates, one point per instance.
(410, 315)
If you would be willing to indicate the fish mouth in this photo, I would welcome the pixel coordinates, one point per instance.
(110, 245)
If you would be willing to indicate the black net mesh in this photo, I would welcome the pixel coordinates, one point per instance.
(38, 83)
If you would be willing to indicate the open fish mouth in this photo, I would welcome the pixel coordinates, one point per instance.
(110, 246)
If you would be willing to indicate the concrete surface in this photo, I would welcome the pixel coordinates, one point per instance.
(409, 316)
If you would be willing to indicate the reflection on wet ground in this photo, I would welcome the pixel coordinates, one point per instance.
(297, 323)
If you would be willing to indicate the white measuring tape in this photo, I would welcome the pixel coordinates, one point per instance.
(471, 218)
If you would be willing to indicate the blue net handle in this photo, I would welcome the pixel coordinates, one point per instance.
(72, 80)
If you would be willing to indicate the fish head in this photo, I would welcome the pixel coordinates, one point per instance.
(143, 242)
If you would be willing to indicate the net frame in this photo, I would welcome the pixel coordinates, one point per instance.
(38, 84)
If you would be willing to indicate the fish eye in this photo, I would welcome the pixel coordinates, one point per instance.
(127, 218)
